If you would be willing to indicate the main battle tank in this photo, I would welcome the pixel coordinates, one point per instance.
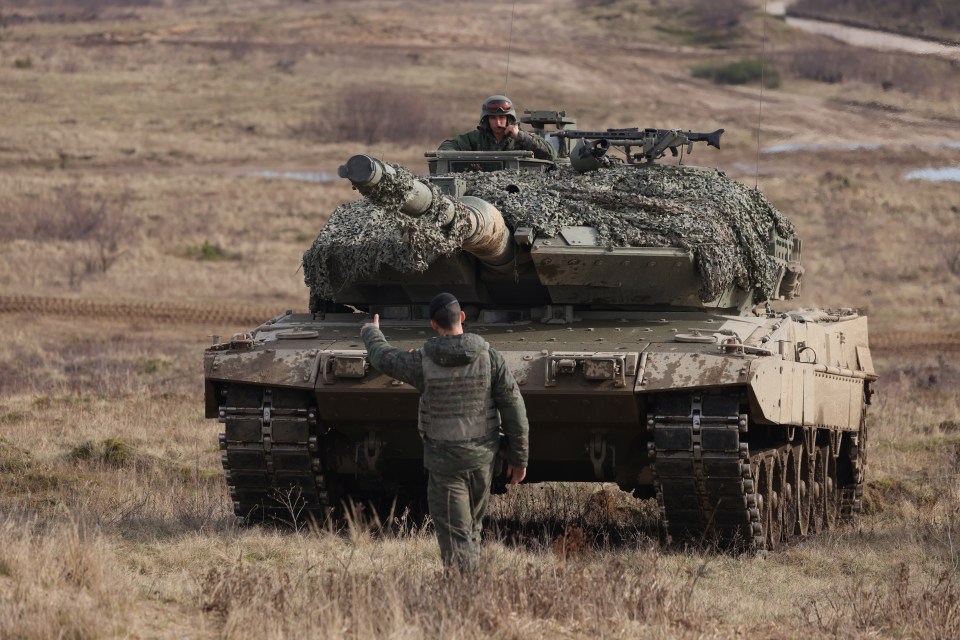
(633, 302)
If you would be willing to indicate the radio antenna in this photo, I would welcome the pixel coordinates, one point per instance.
(506, 80)
(763, 50)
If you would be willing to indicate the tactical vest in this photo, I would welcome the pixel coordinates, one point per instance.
(456, 403)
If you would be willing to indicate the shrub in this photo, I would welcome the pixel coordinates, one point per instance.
(97, 229)
(951, 257)
(112, 452)
(919, 75)
(742, 71)
(717, 17)
(375, 114)
(13, 459)
(919, 17)
(710, 23)
(209, 252)
(817, 65)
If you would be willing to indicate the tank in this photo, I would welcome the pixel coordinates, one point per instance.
(636, 303)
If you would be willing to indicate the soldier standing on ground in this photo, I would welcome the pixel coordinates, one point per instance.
(466, 391)
(498, 131)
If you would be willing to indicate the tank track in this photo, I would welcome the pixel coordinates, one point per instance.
(713, 486)
(272, 456)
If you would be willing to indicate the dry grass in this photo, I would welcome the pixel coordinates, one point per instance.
(861, 230)
(129, 485)
(623, 595)
(115, 519)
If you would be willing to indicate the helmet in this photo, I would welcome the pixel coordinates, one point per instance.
(498, 106)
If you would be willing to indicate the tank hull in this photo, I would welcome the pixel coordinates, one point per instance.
(744, 428)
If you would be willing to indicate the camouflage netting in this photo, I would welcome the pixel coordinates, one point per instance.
(724, 223)
(360, 238)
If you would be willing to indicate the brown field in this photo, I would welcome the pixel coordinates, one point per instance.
(133, 226)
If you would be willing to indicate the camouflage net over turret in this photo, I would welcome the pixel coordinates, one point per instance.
(361, 237)
(725, 224)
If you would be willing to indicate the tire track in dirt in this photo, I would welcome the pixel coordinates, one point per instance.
(941, 340)
(254, 315)
(158, 311)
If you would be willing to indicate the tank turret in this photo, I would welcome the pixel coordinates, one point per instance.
(619, 235)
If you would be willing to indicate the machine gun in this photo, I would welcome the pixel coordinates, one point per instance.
(588, 156)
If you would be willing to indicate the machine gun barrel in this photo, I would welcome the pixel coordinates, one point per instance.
(487, 236)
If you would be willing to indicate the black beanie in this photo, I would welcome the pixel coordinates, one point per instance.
(441, 301)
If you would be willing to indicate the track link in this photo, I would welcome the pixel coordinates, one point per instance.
(272, 455)
(703, 472)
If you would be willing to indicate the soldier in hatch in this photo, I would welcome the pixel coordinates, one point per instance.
(498, 131)
(466, 391)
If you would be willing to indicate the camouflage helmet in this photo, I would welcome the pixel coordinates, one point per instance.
(498, 106)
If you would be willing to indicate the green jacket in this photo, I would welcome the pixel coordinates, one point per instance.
(407, 366)
(481, 139)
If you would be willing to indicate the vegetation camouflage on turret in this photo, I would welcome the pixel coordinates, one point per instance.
(724, 223)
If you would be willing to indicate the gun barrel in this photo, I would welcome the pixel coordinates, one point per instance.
(366, 173)
(486, 236)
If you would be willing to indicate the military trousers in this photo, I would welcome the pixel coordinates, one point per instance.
(458, 501)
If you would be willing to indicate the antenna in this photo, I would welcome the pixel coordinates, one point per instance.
(763, 50)
(513, 12)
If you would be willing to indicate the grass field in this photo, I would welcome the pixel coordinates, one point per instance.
(132, 136)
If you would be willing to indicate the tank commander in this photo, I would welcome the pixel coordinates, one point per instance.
(498, 131)
(464, 383)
